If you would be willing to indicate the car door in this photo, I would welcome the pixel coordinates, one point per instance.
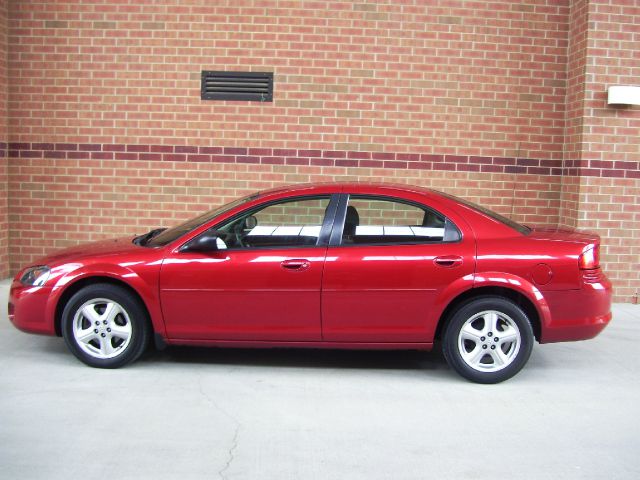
(386, 267)
(261, 284)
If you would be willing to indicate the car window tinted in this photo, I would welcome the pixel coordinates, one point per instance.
(371, 220)
(292, 223)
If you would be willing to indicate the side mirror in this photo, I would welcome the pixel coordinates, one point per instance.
(204, 243)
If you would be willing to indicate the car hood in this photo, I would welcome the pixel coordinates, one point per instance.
(103, 248)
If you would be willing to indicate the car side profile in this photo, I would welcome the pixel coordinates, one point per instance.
(342, 265)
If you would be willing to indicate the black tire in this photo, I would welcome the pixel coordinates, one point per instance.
(478, 352)
(105, 326)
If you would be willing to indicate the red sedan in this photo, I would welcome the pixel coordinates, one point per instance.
(326, 266)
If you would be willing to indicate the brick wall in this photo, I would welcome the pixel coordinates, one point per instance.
(4, 135)
(574, 110)
(467, 78)
(109, 135)
(609, 190)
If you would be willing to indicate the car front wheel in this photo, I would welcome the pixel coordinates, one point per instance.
(488, 340)
(104, 326)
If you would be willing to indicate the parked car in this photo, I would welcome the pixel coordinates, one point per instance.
(352, 266)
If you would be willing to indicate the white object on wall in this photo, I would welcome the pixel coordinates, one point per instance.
(624, 95)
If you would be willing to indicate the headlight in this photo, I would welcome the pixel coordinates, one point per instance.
(35, 276)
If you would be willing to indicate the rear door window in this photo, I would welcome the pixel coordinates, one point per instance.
(376, 220)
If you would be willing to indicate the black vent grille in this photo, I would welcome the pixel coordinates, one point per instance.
(252, 86)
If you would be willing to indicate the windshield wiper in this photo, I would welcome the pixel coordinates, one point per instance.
(142, 240)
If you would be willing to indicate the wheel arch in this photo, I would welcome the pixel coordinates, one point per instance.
(515, 296)
(72, 288)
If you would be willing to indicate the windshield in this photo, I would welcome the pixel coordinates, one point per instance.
(490, 213)
(171, 234)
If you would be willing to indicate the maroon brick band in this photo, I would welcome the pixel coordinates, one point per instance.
(328, 158)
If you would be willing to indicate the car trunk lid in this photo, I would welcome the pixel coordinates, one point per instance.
(564, 234)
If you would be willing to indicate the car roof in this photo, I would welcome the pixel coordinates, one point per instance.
(347, 186)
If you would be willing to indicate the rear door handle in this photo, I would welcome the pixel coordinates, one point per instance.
(448, 261)
(296, 264)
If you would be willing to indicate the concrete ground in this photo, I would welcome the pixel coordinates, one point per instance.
(205, 413)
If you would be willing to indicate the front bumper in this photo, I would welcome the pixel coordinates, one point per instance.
(27, 308)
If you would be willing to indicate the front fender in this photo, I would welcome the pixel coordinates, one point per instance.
(145, 285)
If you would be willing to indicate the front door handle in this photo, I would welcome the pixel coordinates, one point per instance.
(448, 261)
(296, 264)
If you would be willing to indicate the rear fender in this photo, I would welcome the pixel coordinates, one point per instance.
(520, 285)
(444, 299)
(490, 279)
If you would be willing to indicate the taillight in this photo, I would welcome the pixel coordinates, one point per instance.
(590, 257)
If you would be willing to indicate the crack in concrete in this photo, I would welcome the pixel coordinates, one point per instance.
(234, 445)
(234, 441)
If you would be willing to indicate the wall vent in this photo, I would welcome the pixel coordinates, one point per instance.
(251, 86)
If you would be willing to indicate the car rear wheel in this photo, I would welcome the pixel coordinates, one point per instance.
(488, 340)
(105, 327)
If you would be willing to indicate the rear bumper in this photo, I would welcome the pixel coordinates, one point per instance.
(578, 314)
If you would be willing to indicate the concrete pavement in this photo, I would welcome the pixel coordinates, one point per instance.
(297, 414)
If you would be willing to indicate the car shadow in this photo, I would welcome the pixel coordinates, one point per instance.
(302, 358)
(408, 360)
